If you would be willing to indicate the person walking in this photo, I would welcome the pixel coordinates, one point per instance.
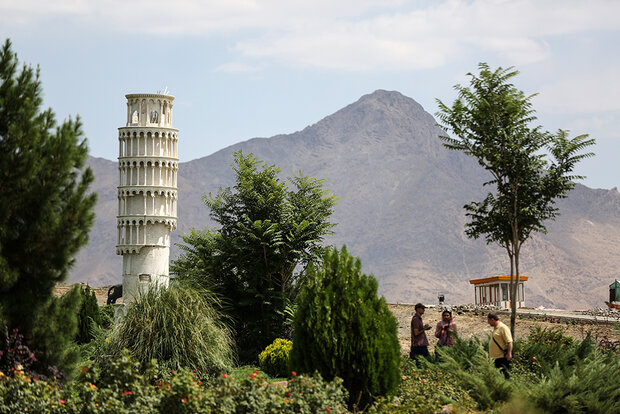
(500, 344)
(445, 329)
(419, 341)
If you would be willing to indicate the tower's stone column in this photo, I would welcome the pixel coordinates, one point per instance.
(147, 192)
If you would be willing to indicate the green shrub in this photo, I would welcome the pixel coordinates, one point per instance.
(589, 386)
(274, 360)
(53, 335)
(342, 329)
(88, 316)
(106, 313)
(472, 369)
(545, 349)
(424, 390)
(124, 386)
(20, 393)
(176, 326)
(252, 394)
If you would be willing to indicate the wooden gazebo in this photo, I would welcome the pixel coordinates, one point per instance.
(495, 290)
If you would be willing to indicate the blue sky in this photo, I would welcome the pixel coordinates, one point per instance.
(256, 68)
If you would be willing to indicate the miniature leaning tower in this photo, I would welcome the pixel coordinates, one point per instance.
(147, 192)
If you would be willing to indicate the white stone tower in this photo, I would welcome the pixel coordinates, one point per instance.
(147, 191)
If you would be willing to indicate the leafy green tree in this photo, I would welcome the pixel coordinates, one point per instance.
(530, 168)
(343, 329)
(45, 209)
(256, 259)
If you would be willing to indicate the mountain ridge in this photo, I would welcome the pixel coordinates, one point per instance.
(400, 209)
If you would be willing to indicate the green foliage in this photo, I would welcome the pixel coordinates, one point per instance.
(588, 386)
(548, 349)
(46, 210)
(89, 315)
(54, 333)
(530, 168)
(424, 390)
(475, 372)
(21, 393)
(274, 360)
(342, 329)
(178, 327)
(302, 394)
(256, 259)
(106, 315)
(123, 386)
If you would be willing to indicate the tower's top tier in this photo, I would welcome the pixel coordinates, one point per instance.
(149, 110)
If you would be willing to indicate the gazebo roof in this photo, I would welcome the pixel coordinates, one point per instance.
(502, 278)
(615, 285)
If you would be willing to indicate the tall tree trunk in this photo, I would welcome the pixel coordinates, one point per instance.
(513, 315)
(514, 275)
(511, 298)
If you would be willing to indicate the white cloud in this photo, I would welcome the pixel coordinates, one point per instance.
(345, 34)
(582, 93)
(237, 67)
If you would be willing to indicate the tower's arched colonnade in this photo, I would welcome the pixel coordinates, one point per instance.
(148, 164)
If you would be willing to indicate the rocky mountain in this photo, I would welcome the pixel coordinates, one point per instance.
(400, 209)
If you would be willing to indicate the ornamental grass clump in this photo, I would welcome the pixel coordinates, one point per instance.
(343, 329)
(274, 360)
(178, 327)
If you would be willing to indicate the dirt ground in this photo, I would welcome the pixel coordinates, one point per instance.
(469, 325)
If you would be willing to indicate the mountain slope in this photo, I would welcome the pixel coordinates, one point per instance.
(400, 209)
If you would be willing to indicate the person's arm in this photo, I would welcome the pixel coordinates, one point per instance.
(438, 330)
(508, 339)
(415, 329)
(509, 351)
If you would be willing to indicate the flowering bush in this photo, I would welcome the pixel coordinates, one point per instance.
(301, 394)
(274, 360)
(121, 387)
(21, 393)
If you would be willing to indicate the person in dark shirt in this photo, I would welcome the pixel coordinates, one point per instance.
(419, 341)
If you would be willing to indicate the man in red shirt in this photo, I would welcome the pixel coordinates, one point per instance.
(419, 342)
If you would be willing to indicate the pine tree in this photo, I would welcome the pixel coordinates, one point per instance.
(45, 209)
(88, 316)
(343, 329)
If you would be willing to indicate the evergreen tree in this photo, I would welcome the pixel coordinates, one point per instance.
(88, 316)
(342, 329)
(45, 209)
(54, 332)
(256, 260)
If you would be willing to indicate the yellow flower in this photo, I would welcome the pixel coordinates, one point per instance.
(91, 385)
